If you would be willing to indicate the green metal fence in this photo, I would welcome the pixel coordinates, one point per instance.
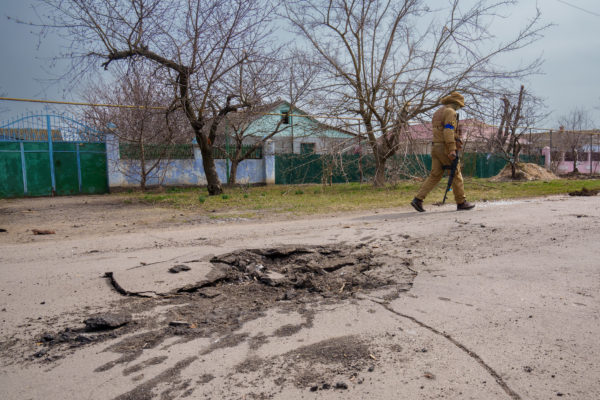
(43, 155)
(313, 168)
(132, 151)
(229, 152)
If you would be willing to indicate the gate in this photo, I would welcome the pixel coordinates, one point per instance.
(42, 155)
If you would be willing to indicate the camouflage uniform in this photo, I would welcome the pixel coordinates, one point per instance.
(445, 140)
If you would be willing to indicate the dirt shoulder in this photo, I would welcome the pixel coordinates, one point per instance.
(497, 303)
(79, 216)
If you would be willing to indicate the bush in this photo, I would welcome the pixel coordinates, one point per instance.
(201, 199)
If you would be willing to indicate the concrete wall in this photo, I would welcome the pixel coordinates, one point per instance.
(125, 173)
(564, 167)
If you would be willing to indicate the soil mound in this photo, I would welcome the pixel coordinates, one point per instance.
(525, 172)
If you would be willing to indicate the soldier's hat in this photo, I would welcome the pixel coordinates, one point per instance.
(454, 98)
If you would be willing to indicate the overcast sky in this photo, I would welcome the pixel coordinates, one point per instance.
(571, 50)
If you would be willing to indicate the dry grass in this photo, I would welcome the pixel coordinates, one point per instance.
(249, 202)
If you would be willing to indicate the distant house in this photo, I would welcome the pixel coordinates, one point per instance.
(296, 132)
(477, 136)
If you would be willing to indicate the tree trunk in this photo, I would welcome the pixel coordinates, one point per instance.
(517, 151)
(143, 172)
(513, 170)
(233, 172)
(379, 172)
(213, 184)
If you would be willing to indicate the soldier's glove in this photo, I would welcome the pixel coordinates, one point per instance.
(459, 144)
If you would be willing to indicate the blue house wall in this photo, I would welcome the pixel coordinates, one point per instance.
(300, 129)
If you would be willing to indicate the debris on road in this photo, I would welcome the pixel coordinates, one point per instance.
(120, 289)
(180, 324)
(585, 192)
(43, 232)
(429, 375)
(179, 268)
(106, 322)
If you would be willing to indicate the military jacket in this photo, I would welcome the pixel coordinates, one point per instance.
(444, 123)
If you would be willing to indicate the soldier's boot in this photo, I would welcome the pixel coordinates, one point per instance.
(464, 206)
(417, 204)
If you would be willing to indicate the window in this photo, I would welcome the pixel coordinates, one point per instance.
(307, 148)
(285, 117)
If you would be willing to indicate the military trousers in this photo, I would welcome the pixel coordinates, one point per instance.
(439, 159)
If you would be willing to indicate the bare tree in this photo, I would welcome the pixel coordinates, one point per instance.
(245, 135)
(518, 113)
(147, 133)
(569, 136)
(507, 140)
(390, 61)
(198, 43)
(260, 83)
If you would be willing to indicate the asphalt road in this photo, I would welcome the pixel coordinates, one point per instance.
(504, 305)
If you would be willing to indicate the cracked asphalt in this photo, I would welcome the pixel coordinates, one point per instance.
(504, 305)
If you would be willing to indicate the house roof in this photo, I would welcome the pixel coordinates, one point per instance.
(278, 107)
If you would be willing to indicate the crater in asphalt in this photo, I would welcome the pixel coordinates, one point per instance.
(241, 287)
(327, 270)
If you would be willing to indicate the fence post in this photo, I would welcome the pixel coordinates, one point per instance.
(113, 161)
(77, 144)
(51, 154)
(269, 162)
(547, 155)
(23, 167)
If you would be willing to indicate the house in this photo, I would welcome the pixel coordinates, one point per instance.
(417, 139)
(293, 130)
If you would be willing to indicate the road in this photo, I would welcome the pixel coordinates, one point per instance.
(498, 303)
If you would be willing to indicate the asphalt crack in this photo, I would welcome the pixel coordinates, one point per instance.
(513, 395)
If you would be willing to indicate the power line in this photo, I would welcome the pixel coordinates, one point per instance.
(579, 8)
(73, 103)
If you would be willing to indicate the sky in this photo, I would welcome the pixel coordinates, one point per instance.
(570, 49)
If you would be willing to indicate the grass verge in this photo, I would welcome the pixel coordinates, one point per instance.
(317, 199)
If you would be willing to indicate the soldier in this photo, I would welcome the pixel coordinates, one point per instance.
(443, 151)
